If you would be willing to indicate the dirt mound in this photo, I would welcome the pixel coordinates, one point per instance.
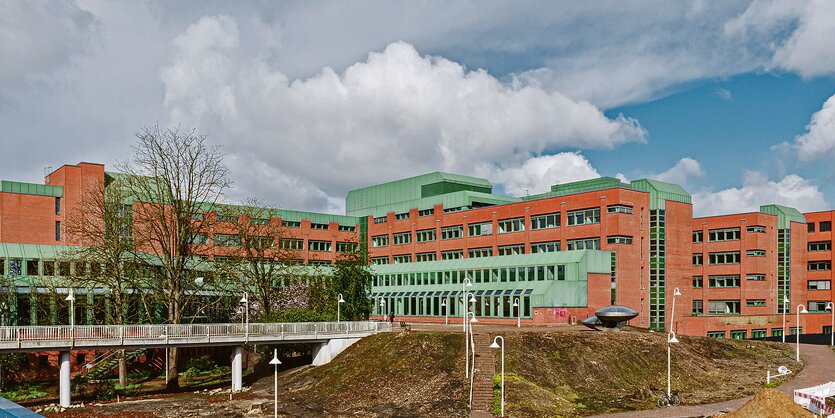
(770, 403)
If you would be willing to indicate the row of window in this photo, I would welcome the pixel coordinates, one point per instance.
(731, 307)
(486, 275)
(727, 280)
(266, 221)
(726, 234)
(727, 257)
(757, 334)
(825, 226)
(489, 304)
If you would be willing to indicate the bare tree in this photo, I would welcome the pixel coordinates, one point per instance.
(103, 225)
(174, 176)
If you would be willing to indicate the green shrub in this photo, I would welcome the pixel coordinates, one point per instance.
(204, 363)
(191, 373)
(24, 392)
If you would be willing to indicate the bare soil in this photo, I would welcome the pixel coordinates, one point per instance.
(770, 403)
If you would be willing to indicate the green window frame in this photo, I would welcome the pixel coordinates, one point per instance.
(817, 246)
(452, 232)
(545, 221)
(820, 265)
(402, 238)
(379, 241)
(507, 226)
(583, 244)
(724, 234)
(756, 229)
(425, 235)
(727, 257)
(619, 209)
(722, 281)
(480, 229)
(545, 247)
(320, 246)
(584, 217)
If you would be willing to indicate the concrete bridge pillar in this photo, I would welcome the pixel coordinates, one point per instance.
(237, 369)
(64, 378)
(323, 353)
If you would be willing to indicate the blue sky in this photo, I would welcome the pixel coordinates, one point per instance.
(735, 100)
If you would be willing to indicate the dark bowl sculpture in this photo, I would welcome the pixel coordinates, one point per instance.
(610, 318)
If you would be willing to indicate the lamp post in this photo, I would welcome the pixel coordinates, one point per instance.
(71, 298)
(466, 283)
(785, 308)
(671, 339)
(446, 312)
(467, 335)
(495, 345)
(275, 362)
(799, 311)
(339, 303)
(245, 301)
(831, 308)
(518, 313)
(471, 344)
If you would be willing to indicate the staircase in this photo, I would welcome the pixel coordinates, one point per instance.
(110, 362)
(485, 369)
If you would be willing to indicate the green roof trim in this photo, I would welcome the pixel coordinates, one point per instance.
(460, 199)
(661, 191)
(785, 215)
(32, 251)
(31, 188)
(597, 261)
(364, 200)
(582, 186)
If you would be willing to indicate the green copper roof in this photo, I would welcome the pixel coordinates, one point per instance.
(460, 199)
(31, 251)
(785, 215)
(582, 186)
(31, 188)
(596, 261)
(661, 191)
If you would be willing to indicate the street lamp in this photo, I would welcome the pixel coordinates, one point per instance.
(495, 345)
(799, 311)
(245, 301)
(275, 362)
(671, 339)
(466, 283)
(71, 299)
(467, 334)
(339, 303)
(518, 313)
(471, 343)
(383, 309)
(446, 312)
(785, 308)
(831, 308)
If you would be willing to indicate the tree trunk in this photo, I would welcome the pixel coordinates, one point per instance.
(173, 382)
(123, 369)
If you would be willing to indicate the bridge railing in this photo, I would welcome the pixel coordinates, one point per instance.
(183, 331)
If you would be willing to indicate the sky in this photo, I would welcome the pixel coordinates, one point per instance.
(734, 100)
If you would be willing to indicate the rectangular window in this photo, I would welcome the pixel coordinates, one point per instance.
(619, 239)
(723, 281)
(227, 218)
(227, 240)
(731, 257)
(346, 247)
(319, 262)
(826, 226)
(584, 217)
(583, 244)
(476, 230)
(777, 332)
(426, 212)
(199, 239)
(755, 253)
(738, 334)
(755, 302)
(347, 228)
(820, 246)
(31, 268)
(378, 261)
(402, 238)
(698, 281)
(314, 225)
(291, 224)
(260, 243)
(619, 209)
(756, 277)
(402, 258)
(379, 241)
(545, 247)
(725, 234)
(819, 285)
(197, 216)
(698, 259)
(57, 205)
(716, 334)
(425, 235)
(480, 252)
(817, 305)
(57, 230)
(758, 334)
(723, 307)
(15, 267)
(380, 219)
(292, 244)
(550, 220)
(698, 307)
(698, 236)
(819, 265)
(320, 246)
(452, 255)
(401, 216)
(421, 257)
(512, 249)
(756, 229)
(511, 225)
(452, 232)
(810, 227)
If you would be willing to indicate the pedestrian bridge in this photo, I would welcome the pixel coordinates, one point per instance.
(330, 339)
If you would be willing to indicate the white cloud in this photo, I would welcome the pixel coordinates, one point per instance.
(538, 174)
(394, 115)
(819, 140)
(724, 94)
(792, 190)
(680, 173)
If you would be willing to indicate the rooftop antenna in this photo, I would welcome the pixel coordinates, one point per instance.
(527, 192)
(47, 170)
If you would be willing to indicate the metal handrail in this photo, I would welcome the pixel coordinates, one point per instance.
(179, 331)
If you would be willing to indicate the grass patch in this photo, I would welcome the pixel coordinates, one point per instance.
(24, 392)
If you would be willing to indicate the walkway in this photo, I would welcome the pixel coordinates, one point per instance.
(820, 368)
